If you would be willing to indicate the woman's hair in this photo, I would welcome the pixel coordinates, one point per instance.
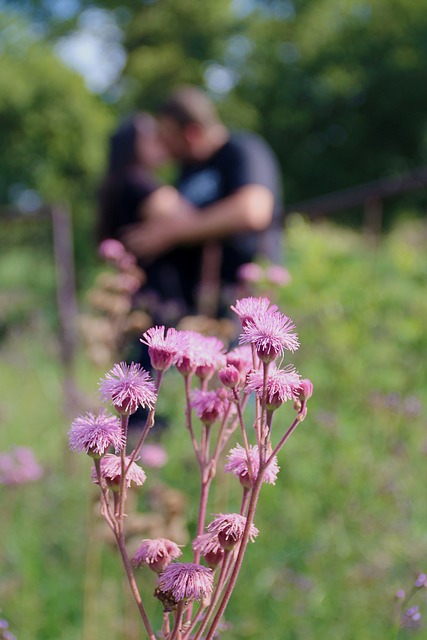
(122, 159)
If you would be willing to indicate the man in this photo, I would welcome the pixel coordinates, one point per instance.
(233, 179)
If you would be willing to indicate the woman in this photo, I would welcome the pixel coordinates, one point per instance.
(129, 194)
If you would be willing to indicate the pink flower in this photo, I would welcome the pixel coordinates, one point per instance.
(129, 282)
(153, 455)
(186, 581)
(19, 466)
(111, 249)
(199, 354)
(248, 309)
(271, 334)
(162, 348)
(209, 405)
(157, 554)
(241, 358)
(305, 389)
(95, 434)
(238, 465)
(111, 470)
(127, 387)
(229, 376)
(250, 272)
(208, 546)
(282, 385)
(229, 528)
(277, 274)
(210, 356)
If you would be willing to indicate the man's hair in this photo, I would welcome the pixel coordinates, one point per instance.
(190, 105)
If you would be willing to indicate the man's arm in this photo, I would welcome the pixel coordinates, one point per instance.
(250, 208)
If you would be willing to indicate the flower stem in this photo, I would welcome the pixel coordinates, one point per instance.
(188, 420)
(176, 632)
(235, 572)
(134, 587)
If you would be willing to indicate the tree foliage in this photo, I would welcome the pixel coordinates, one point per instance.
(53, 129)
(336, 86)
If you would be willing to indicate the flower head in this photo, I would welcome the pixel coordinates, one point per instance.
(282, 385)
(19, 466)
(209, 405)
(186, 581)
(421, 581)
(249, 309)
(277, 274)
(199, 354)
(229, 528)
(305, 389)
(153, 455)
(229, 376)
(250, 272)
(157, 554)
(95, 434)
(162, 347)
(208, 546)
(238, 465)
(127, 387)
(271, 334)
(241, 358)
(111, 471)
(111, 249)
(411, 618)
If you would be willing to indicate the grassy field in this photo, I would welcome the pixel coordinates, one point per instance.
(345, 526)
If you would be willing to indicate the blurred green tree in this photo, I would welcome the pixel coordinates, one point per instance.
(336, 86)
(341, 88)
(53, 130)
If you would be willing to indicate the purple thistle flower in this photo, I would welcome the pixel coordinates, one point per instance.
(241, 358)
(411, 618)
(208, 405)
(249, 309)
(271, 334)
(305, 389)
(127, 387)
(111, 470)
(421, 581)
(162, 347)
(157, 554)
(19, 466)
(229, 528)
(208, 546)
(186, 581)
(277, 274)
(238, 465)
(250, 272)
(111, 249)
(95, 434)
(229, 376)
(282, 385)
(153, 455)
(210, 357)
(199, 354)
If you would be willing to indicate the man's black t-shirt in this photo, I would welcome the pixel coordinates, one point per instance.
(244, 159)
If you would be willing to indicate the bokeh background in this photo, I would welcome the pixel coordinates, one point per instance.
(338, 88)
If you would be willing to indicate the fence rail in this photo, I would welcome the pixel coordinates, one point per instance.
(370, 196)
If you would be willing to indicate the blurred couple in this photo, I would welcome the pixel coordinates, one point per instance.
(191, 238)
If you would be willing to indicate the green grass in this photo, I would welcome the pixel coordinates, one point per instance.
(344, 527)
